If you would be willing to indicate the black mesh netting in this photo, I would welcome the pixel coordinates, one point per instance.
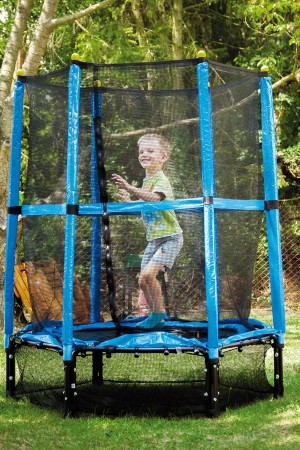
(136, 99)
(152, 384)
(133, 100)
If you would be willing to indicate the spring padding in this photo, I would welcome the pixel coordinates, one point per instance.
(106, 235)
(105, 217)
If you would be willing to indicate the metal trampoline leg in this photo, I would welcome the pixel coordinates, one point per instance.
(278, 370)
(212, 388)
(10, 371)
(97, 367)
(70, 385)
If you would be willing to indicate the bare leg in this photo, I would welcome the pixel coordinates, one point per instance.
(153, 294)
(151, 286)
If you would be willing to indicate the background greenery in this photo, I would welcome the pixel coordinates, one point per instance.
(246, 33)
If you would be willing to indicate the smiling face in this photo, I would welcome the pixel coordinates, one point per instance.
(152, 154)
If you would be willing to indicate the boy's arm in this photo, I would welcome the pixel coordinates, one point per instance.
(133, 190)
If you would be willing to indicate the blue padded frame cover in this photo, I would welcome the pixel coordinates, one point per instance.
(12, 219)
(272, 215)
(210, 228)
(72, 194)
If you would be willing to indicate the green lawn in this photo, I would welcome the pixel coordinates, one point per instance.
(265, 424)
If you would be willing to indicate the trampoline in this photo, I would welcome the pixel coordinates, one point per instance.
(83, 248)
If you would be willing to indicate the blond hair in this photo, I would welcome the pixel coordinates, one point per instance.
(162, 143)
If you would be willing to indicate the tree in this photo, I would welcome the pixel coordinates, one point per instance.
(273, 31)
(47, 22)
(26, 48)
(42, 35)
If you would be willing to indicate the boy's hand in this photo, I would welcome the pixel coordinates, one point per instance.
(123, 184)
(140, 193)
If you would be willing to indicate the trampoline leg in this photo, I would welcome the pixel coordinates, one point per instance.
(212, 388)
(10, 372)
(70, 385)
(97, 367)
(278, 370)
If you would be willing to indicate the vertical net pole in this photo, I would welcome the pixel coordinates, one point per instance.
(13, 210)
(100, 149)
(271, 202)
(210, 229)
(95, 278)
(71, 208)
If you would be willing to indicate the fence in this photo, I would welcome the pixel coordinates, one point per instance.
(290, 238)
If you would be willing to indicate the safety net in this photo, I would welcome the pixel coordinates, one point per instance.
(126, 102)
(85, 168)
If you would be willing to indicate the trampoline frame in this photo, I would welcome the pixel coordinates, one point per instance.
(209, 204)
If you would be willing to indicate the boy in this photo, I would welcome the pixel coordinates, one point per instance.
(163, 232)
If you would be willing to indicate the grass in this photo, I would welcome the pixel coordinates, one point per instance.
(265, 424)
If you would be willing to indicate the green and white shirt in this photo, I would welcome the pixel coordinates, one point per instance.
(160, 223)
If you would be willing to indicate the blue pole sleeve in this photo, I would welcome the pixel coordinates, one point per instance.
(12, 219)
(72, 194)
(206, 130)
(271, 193)
(210, 226)
(95, 278)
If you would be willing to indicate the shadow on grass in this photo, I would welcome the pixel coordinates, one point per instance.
(115, 399)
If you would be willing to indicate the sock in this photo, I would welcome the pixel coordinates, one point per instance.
(155, 320)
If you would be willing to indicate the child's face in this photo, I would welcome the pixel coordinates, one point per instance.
(151, 157)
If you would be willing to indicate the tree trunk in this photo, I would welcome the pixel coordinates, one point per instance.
(177, 29)
(13, 46)
(42, 33)
(46, 24)
(140, 29)
(31, 64)
(177, 38)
